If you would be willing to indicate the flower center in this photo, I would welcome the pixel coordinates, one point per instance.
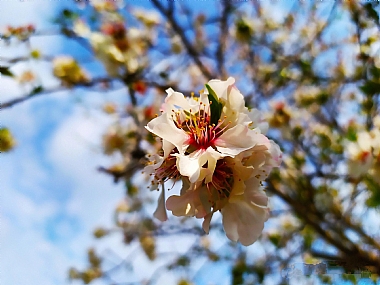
(202, 133)
(363, 156)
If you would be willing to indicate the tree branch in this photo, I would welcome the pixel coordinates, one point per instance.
(34, 94)
(189, 47)
(348, 252)
(227, 8)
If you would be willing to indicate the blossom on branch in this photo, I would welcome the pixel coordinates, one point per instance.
(214, 145)
(121, 48)
(69, 71)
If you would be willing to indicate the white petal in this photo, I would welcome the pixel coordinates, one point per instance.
(160, 212)
(276, 154)
(151, 168)
(241, 173)
(243, 119)
(221, 87)
(164, 127)
(353, 149)
(204, 204)
(182, 205)
(237, 139)
(230, 224)
(254, 194)
(212, 157)
(167, 147)
(176, 99)
(236, 100)
(257, 120)
(191, 165)
(243, 221)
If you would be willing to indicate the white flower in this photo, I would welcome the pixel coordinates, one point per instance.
(68, 70)
(215, 145)
(189, 129)
(107, 52)
(149, 18)
(81, 29)
(376, 121)
(375, 141)
(360, 156)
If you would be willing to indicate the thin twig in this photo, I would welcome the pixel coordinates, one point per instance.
(52, 90)
(227, 8)
(189, 47)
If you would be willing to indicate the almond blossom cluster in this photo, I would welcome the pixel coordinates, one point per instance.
(21, 32)
(119, 47)
(69, 71)
(216, 147)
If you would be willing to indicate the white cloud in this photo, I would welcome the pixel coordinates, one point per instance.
(23, 245)
(42, 235)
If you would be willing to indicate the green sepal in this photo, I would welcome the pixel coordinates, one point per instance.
(36, 90)
(215, 106)
(5, 71)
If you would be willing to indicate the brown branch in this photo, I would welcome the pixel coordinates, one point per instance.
(25, 58)
(227, 8)
(21, 99)
(95, 81)
(318, 35)
(31, 95)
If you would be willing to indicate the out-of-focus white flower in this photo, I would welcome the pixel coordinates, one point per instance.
(176, 46)
(306, 95)
(107, 52)
(27, 77)
(214, 144)
(244, 29)
(120, 138)
(375, 136)
(281, 118)
(289, 222)
(68, 70)
(81, 29)
(360, 155)
(104, 6)
(121, 49)
(149, 18)
(376, 121)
